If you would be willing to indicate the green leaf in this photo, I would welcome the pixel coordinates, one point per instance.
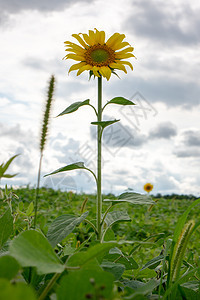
(7, 164)
(85, 284)
(30, 209)
(128, 262)
(193, 285)
(31, 249)
(6, 227)
(120, 101)
(17, 291)
(133, 198)
(109, 236)
(68, 250)
(187, 293)
(153, 263)
(116, 216)
(9, 175)
(147, 273)
(115, 254)
(116, 269)
(81, 258)
(78, 165)
(104, 124)
(9, 267)
(142, 288)
(133, 284)
(73, 107)
(62, 226)
(182, 220)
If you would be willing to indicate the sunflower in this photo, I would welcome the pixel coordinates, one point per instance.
(97, 56)
(148, 187)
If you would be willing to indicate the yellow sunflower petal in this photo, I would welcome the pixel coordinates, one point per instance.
(123, 56)
(95, 71)
(74, 56)
(88, 39)
(84, 68)
(78, 52)
(120, 45)
(105, 72)
(74, 46)
(80, 40)
(124, 62)
(76, 66)
(114, 39)
(92, 37)
(129, 49)
(118, 66)
(100, 37)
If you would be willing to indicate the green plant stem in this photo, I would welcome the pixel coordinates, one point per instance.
(94, 109)
(99, 196)
(37, 190)
(105, 214)
(49, 286)
(103, 235)
(92, 225)
(92, 174)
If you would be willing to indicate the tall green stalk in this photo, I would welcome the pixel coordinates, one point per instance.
(99, 146)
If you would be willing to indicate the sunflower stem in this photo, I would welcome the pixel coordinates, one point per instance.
(99, 146)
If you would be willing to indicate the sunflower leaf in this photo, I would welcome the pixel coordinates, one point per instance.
(78, 165)
(62, 227)
(120, 101)
(104, 124)
(116, 216)
(73, 107)
(133, 198)
(31, 249)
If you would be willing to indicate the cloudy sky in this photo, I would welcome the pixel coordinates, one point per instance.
(157, 140)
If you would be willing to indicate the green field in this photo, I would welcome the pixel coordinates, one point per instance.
(139, 240)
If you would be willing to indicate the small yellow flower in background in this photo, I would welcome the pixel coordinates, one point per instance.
(148, 187)
(97, 56)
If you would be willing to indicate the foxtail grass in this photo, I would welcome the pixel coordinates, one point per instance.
(179, 250)
(43, 138)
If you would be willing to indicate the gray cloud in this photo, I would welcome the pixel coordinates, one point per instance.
(42, 64)
(16, 133)
(23, 142)
(189, 146)
(187, 152)
(13, 6)
(67, 149)
(171, 91)
(164, 130)
(165, 183)
(164, 23)
(192, 138)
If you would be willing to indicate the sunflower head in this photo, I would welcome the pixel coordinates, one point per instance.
(148, 187)
(98, 56)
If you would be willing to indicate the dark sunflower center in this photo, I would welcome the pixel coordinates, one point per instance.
(99, 55)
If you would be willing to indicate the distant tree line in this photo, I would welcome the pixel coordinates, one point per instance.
(176, 196)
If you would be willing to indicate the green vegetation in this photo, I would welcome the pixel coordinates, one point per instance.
(132, 263)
